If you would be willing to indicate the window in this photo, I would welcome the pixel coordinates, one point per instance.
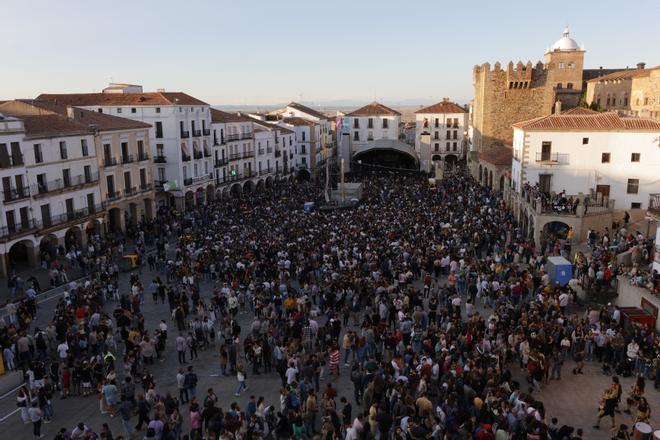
(159, 129)
(447, 146)
(448, 134)
(63, 154)
(356, 135)
(118, 110)
(83, 147)
(133, 110)
(100, 110)
(370, 136)
(303, 136)
(38, 155)
(634, 157)
(87, 171)
(437, 122)
(157, 109)
(356, 123)
(561, 66)
(370, 123)
(605, 158)
(635, 205)
(455, 134)
(585, 141)
(385, 123)
(559, 85)
(454, 146)
(66, 177)
(633, 186)
(436, 135)
(437, 147)
(569, 86)
(546, 151)
(571, 65)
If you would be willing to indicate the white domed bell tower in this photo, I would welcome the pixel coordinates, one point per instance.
(564, 60)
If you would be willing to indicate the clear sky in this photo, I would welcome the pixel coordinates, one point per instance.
(263, 52)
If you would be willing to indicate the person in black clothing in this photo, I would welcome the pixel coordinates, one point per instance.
(608, 403)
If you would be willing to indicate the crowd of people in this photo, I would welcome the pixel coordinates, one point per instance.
(431, 302)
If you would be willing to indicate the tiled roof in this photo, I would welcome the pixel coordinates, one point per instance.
(444, 106)
(579, 111)
(272, 126)
(308, 110)
(297, 121)
(50, 125)
(626, 74)
(497, 155)
(597, 121)
(44, 119)
(374, 109)
(101, 121)
(224, 117)
(121, 99)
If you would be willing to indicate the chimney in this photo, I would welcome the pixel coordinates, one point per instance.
(640, 66)
(557, 107)
(70, 112)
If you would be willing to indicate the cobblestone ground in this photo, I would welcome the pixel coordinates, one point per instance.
(573, 400)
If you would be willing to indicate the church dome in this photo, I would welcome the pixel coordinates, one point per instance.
(565, 42)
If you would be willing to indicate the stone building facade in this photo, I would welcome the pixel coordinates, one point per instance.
(506, 95)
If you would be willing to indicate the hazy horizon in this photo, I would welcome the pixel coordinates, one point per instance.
(261, 53)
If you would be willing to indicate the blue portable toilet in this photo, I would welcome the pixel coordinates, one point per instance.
(308, 207)
(560, 270)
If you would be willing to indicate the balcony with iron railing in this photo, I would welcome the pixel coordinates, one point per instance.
(263, 172)
(261, 151)
(233, 137)
(246, 135)
(109, 162)
(203, 178)
(129, 158)
(188, 181)
(17, 229)
(248, 154)
(235, 156)
(206, 131)
(552, 158)
(269, 150)
(73, 183)
(12, 160)
(278, 153)
(160, 159)
(185, 134)
(146, 187)
(207, 152)
(128, 192)
(143, 156)
(113, 195)
(185, 157)
(15, 194)
(221, 162)
(197, 133)
(76, 215)
(197, 154)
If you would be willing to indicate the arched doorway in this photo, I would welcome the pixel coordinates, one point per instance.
(269, 181)
(303, 176)
(490, 179)
(131, 216)
(436, 158)
(48, 249)
(236, 190)
(451, 160)
(93, 227)
(21, 256)
(480, 174)
(248, 186)
(260, 185)
(73, 237)
(501, 183)
(148, 208)
(189, 201)
(210, 193)
(114, 219)
(555, 230)
(200, 197)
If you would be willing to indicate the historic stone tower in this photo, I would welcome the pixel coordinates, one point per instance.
(504, 96)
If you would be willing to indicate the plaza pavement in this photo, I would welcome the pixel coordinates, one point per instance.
(573, 400)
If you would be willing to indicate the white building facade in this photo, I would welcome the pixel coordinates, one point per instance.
(373, 122)
(440, 133)
(180, 136)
